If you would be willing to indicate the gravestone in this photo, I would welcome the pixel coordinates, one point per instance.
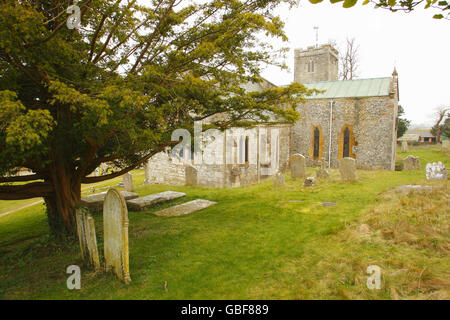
(128, 182)
(404, 146)
(278, 180)
(347, 168)
(436, 171)
(185, 208)
(309, 182)
(411, 163)
(146, 202)
(297, 162)
(87, 237)
(191, 175)
(322, 173)
(147, 173)
(115, 234)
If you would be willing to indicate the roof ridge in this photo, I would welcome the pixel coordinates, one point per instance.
(348, 80)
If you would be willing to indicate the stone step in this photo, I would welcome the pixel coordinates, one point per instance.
(95, 201)
(143, 203)
(185, 208)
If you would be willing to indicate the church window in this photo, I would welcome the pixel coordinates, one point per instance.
(246, 149)
(316, 143)
(346, 143)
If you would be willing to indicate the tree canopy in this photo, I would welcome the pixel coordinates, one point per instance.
(440, 8)
(114, 88)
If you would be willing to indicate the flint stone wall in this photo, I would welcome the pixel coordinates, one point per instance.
(372, 120)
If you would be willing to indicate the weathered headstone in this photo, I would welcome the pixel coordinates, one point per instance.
(404, 146)
(128, 182)
(436, 171)
(147, 173)
(446, 144)
(115, 234)
(347, 168)
(309, 182)
(87, 237)
(278, 180)
(322, 173)
(185, 208)
(297, 162)
(191, 175)
(146, 202)
(411, 163)
(95, 201)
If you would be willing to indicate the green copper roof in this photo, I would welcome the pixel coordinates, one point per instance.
(351, 88)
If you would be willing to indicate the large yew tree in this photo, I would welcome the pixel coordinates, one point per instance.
(114, 89)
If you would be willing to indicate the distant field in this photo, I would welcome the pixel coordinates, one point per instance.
(258, 242)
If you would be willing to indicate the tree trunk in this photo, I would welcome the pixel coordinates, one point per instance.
(60, 205)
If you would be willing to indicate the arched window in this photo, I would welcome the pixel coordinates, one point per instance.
(312, 66)
(346, 148)
(181, 149)
(316, 143)
(246, 149)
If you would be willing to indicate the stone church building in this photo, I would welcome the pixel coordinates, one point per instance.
(351, 118)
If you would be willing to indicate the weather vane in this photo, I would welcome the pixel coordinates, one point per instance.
(317, 35)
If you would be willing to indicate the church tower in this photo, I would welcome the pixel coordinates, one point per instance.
(316, 64)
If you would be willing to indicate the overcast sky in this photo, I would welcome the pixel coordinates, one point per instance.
(416, 44)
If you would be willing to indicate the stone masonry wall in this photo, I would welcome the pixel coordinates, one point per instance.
(371, 122)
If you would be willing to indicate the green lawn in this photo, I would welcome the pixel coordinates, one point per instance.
(258, 242)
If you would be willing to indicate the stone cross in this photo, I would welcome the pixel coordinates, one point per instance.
(347, 168)
(115, 234)
(297, 162)
(436, 171)
(87, 237)
(128, 182)
(411, 163)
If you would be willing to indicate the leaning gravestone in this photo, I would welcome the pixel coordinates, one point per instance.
(436, 171)
(147, 173)
(347, 168)
(411, 163)
(278, 180)
(191, 175)
(115, 234)
(87, 237)
(128, 182)
(297, 163)
(404, 146)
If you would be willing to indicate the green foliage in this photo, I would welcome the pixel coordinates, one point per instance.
(403, 5)
(116, 88)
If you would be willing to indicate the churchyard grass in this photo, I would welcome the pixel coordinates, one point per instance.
(258, 242)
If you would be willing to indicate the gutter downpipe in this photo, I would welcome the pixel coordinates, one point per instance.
(331, 125)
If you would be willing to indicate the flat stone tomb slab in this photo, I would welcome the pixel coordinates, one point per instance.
(185, 208)
(328, 204)
(143, 203)
(95, 201)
